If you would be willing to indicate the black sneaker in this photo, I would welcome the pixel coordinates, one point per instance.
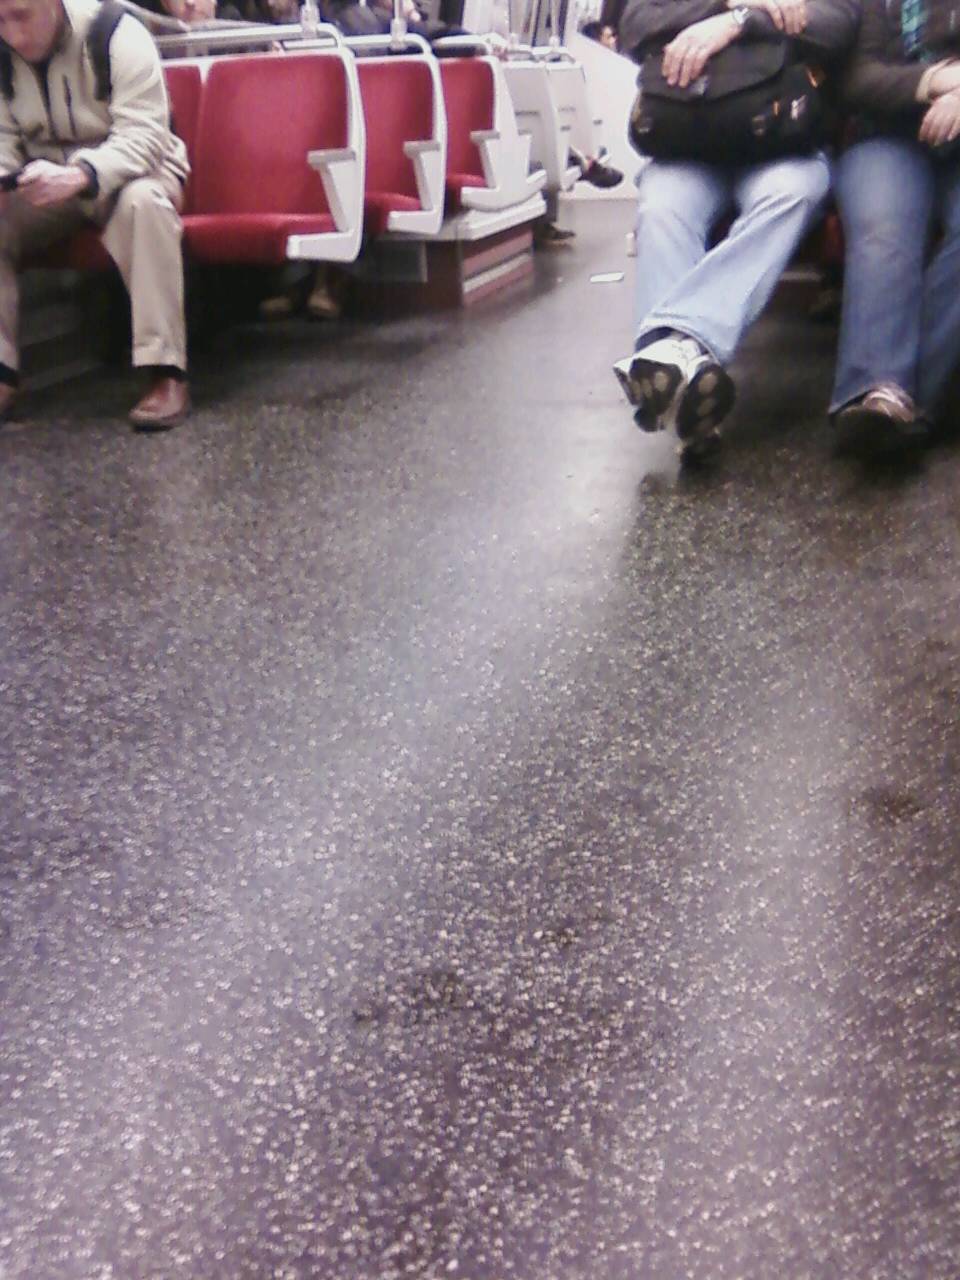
(601, 175)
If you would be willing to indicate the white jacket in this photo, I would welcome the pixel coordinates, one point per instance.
(61, 120)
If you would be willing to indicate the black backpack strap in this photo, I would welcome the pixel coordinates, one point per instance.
(6, 71)
(98, 46)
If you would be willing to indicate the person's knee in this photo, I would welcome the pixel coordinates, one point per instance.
(794, 188)
(144, 198)
(878, 228)
(667, 208)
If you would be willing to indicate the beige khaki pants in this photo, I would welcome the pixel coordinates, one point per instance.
(141, 230)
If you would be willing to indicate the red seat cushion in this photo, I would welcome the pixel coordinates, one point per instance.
(831, 243)
(378, 206)
(249, 237)
(455, 184)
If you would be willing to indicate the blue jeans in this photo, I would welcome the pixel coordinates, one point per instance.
(715, 295)
(901, 308)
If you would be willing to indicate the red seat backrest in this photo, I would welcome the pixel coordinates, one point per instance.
(468, 95)
(398, 107)
(184, 87)
(259, 116)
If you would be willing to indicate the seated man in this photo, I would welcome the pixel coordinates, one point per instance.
(93, 144)
(695, 301)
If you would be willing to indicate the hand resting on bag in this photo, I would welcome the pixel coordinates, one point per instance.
(788, 16)
(688, 53)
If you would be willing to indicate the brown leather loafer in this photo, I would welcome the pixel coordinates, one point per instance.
(165, 405)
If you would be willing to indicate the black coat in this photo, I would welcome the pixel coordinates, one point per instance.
(647, 25)
(881, 82)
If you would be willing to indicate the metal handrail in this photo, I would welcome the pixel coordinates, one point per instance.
(246, 35)
(551, 53)
(480, 44)
(510, 53)
(373, 44)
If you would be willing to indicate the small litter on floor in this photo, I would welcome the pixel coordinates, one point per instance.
(607, 277)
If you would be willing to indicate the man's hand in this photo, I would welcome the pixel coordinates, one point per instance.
(43, 183)
(688, 53)
(941, 120)
(944, 80)
(788, 16)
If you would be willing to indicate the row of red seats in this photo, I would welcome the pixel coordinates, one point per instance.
(281, 166)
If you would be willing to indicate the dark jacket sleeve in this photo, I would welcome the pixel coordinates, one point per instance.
(611, 12)
(830, 32)
(877, 81)
(653, 23)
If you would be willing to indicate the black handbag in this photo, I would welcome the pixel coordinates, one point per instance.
(752, 103)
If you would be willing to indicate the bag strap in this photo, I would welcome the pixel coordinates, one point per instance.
(98, 46)
(6, 71)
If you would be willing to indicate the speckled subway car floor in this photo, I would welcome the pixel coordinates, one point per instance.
(441, 840)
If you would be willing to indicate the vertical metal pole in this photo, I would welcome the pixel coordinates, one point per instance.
(555, 40)
(309, 19)
(513, 20)
(528, 21)
(398, 26)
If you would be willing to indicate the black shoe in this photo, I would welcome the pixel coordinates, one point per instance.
(554, 237)
(880, 424)
(601, 175)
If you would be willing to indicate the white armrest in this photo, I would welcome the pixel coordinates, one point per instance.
(506, 171)
(330, 155)
(342, 182)
(412, 149)
(429, 164)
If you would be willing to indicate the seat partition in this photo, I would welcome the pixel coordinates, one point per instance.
(406, 144)
(488, 161)
(548, 108)
(278, 160)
